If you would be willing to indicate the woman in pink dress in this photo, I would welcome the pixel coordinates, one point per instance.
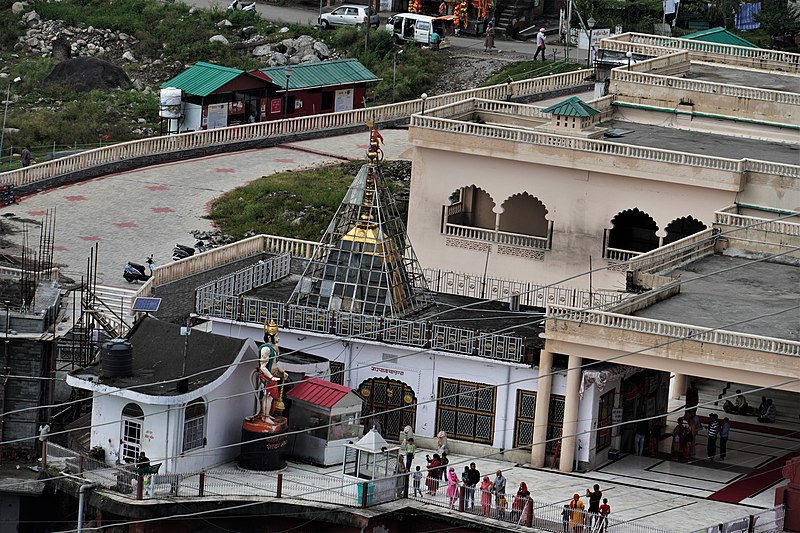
(452, 486)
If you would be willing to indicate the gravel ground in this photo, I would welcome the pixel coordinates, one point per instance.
(467, 68)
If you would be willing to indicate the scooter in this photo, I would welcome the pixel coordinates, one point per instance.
(182, 251)
(245, 7)
(136, 272)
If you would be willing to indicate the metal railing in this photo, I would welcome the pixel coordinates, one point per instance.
(530, 294)
(389, 330)
(250, 277)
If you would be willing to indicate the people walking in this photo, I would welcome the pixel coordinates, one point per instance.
(655, 437)
(473, 478)
(724, 432)
(486, 496)
(713, 432)
(417, 477)
(540, 44)
(452, 486)
(410, 450)
(25, 156)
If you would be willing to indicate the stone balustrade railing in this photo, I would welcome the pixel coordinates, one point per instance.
(322, 123)
(735, 220)
(720, 89)
(653, 45)
(589, 145)
(675, 330)
(676, 253)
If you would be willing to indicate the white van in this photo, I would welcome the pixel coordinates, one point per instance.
(414, 28)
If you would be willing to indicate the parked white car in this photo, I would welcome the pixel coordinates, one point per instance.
(349, 15)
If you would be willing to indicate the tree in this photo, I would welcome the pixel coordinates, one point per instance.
(780, 20)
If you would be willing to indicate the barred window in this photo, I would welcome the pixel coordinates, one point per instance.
(524, 422)
(604, 420)
(194, 425)
(337, 372)
(465, 410)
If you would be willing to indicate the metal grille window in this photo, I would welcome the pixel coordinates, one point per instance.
(604, 420)
(337, 372)
(466, 410)
(131, 432)
(524, 422)
(194, 425)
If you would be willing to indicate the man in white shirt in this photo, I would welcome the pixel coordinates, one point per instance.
(539, 44)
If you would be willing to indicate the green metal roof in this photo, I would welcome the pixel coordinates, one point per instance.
(202, 79)
(719, 35)
(572, 107)
(321, 74)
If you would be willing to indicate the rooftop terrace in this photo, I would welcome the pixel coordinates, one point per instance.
(718, 291)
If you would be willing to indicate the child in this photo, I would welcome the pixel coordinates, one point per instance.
(565, 518)
(605, 510)
(417, 475)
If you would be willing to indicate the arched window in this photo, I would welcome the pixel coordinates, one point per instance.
(634, 231)
(682, 227)
(131, 432)
(524, 214)
(471, 206)
(194, 425)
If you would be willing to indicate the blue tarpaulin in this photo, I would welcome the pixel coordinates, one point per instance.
(745, 17)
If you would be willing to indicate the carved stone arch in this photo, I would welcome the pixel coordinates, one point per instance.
(681, 228)
(471, 206)
(633, 230)
(525, 214)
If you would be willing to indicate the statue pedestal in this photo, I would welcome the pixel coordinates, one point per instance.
(263, 443)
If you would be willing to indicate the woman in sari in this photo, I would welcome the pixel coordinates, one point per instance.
(486, 496)
(452, 486)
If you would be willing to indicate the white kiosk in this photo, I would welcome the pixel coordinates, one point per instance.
(370, 470)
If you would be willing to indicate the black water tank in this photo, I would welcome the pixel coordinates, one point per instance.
(117, 359)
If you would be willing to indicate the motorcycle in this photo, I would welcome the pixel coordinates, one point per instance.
(182, 251)
(136, 272)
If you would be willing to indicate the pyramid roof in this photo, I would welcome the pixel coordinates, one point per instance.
(572, 107)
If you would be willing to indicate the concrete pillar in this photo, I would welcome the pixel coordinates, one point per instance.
(540, 417)
(572, 400)
(678, 388)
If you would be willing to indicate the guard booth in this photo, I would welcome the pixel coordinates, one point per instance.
(370, 472)
(328, 416)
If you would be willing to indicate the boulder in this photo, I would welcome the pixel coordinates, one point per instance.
(18, 7)
(322, 49)
(224, 23)
(219, 39)
(128, 56)
(85, 74)
(249, 30)
(310, 58)
(31, 17)
(263, 50)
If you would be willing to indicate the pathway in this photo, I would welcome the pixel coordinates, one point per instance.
(133, 214)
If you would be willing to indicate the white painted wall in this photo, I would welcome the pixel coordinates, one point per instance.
(229, 400)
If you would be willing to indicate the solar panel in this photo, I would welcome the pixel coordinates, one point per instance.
(146, 305)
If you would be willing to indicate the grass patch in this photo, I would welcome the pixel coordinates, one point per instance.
(524, 70)
(296, 204)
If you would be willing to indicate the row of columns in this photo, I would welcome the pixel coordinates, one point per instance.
(541, 415)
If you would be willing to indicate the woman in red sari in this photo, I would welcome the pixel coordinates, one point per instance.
(486, 496)
(432, 480)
